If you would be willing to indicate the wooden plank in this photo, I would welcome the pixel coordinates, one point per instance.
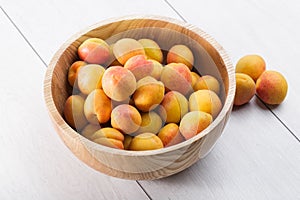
(35, 164)
(255, 158)
(48, 24)
(266, 28)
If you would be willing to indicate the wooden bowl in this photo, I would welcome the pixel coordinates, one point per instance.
(210, 58)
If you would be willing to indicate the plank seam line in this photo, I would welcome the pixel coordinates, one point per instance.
(144, 190)
(173, 8)
(289, 130)
(23, 36)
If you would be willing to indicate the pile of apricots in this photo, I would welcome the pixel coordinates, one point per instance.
(253, 78)
(130, 95)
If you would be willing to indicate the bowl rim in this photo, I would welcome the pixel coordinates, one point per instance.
(60, 122)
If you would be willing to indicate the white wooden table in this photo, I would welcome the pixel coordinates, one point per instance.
(257, 157)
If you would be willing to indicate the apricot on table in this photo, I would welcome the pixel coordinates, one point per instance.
(245, 89)
(181, 54)
(193, 123)
(146, 141)
(126, 48)
(271, 87)
(126, 118)
(74, 112)
(170, 135)
(207, 101)
(90, 78)
(94, 51)
(118, 83)
(252, 65)
(152, 49)
(177, 77)
(97, 107)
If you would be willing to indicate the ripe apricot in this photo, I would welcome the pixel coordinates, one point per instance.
(206, 101)
(74, 112)
(170, 135)
(252, 65)
(271, 87)
(245, 89)
(118, 83)
(126, 118)
(193, 123)
(126, 48)
(146, 141)
(181, 54)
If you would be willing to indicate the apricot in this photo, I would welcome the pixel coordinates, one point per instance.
(206, 101)
(157, 69)
(112, 61)
(89, 130)
(118, 83)
(177, 77)
(252, 65)
(193, 123)
(149, 94)
(170, 135)
(152, 49)
(195, 78)
(127, 141)
(109, 142)
(245, 89)
(173, 107)
(126, 48)
(90, 78)
(73, 72)
(94, 50)
(109, 137)
(139, 66)
(108, 132)
(181, 54)
(74, 112)
(97, 107)
(126, 118)
(146, 141)
(207, 82)
(271, 87)
(151, 123)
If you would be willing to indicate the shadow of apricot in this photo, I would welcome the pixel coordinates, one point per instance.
(263, 105)
(241, 107)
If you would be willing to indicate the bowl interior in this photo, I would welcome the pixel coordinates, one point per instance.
(207, 61)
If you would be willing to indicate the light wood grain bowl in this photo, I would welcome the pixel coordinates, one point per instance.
(210, 58)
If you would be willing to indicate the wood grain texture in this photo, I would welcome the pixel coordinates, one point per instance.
(34, 163)
(211, 59)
